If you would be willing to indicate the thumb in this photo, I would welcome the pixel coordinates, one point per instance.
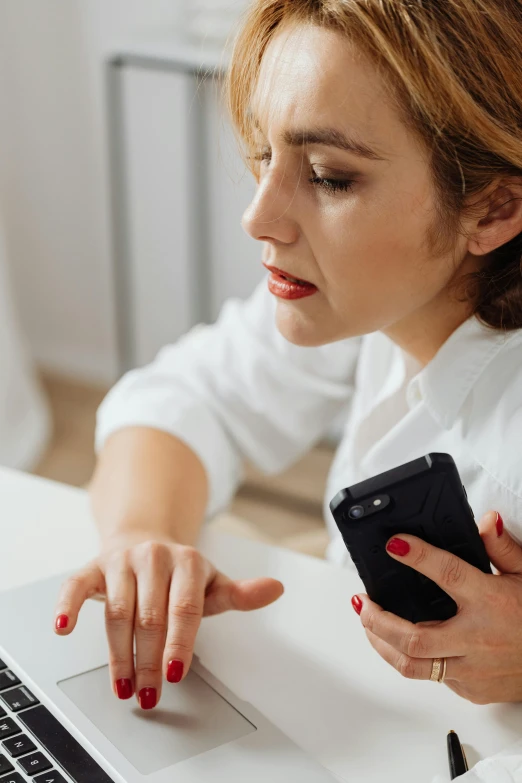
(244, 595)
(504, 552)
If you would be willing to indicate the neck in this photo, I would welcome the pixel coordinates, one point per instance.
(422, 333)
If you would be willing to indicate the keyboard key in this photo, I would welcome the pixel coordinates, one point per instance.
(14, 777)
(17, 746)
(34, 763)
(48, 777)
(3, 713)
(7, 728)
(62, 746)
(18, 698)
(2, 665)
(7, 680)
(5, 765)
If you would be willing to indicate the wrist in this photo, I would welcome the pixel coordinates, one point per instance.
(127, 535)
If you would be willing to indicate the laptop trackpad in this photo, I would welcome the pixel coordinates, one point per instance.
(191, 719)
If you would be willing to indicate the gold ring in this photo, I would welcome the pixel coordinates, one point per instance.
(443, 673)
(436, 669)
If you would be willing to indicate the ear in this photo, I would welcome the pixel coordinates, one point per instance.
(503, 220)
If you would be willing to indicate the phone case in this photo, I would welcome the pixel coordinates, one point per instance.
(425, 498)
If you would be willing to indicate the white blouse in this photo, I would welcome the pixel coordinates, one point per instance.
(239, 390)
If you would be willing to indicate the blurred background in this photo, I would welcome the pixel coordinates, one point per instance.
(121, 195)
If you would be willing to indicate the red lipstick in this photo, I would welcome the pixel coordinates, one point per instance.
(285, 286)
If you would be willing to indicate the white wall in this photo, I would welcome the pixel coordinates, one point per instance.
(53, 171)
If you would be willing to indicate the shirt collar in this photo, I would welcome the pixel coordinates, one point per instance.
(445, 382)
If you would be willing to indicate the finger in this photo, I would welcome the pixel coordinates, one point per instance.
(411, 668)
(410, 639)
(186, 602)
(73, 594)
(120, 609)
(462, 581)
(503, 551)
(244, 595)
(153, 570)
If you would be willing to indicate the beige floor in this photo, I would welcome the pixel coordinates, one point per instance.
(285, 510)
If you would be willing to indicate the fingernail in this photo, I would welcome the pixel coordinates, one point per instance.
(499, 525)
(62, 621)
(124, 688)
(398, 547)
(147, 697)
(175, 671)
(357, 604)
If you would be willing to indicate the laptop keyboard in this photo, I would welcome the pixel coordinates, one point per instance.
(34, 746)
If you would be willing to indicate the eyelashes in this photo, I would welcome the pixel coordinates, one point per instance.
(332, 185)
(328, 184)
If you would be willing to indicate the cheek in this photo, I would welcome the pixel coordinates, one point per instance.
(380, 251)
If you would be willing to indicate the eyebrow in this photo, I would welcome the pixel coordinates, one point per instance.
(328, 137)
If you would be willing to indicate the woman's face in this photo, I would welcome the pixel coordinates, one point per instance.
(354, 226)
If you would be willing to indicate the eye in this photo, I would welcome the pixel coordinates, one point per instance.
(328, 184)
(332, 185)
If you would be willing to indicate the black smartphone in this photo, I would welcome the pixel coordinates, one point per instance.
(425, 498)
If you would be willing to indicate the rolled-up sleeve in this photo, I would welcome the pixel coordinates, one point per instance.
(236, 390)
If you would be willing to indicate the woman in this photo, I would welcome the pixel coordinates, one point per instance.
(385, 138)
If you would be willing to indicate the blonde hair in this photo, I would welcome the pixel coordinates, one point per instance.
(454, 70)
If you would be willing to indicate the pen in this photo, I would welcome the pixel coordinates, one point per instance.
(457, 758)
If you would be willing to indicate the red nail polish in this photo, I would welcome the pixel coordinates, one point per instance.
(357, 604)
(499, 525)
(175, 671)
(62, 621)
(398, 547)
(148, 698)
(124, 688)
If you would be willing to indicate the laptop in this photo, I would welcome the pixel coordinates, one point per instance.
(61, 723)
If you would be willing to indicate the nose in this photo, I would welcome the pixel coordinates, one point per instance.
(270, 217)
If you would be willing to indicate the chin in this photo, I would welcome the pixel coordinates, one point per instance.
(301, 330)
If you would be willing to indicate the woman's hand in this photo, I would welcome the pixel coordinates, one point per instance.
(483, 642)
(156, 592)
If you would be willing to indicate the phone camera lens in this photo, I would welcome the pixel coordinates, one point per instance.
(356, 512)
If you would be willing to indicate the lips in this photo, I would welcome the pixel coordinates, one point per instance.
(285, 286)
(286, 276)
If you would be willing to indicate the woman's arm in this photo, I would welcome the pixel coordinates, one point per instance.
(148, 482)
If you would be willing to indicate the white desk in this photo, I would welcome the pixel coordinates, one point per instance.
(305, 661)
